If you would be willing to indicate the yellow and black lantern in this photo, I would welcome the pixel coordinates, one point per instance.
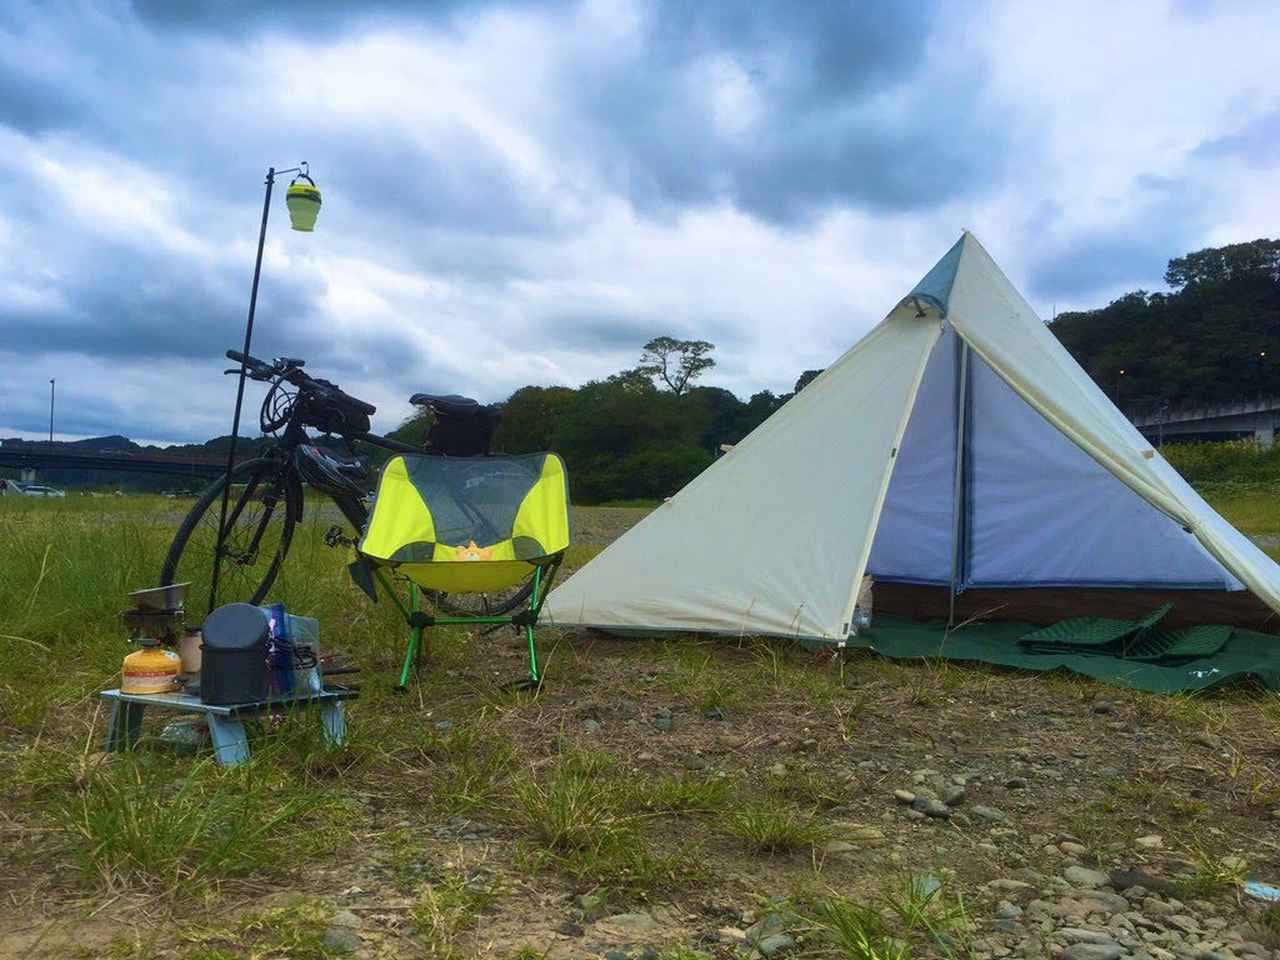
(303, 201)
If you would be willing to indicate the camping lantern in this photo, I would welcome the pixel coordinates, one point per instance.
(303, 200)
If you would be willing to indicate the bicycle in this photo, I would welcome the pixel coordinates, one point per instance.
(266, 501)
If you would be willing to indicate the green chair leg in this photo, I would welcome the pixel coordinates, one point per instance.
(414, 649)
(534, 675)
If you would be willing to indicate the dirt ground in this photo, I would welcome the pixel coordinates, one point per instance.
(687, 797)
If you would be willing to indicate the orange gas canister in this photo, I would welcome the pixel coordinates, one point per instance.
(151, 670)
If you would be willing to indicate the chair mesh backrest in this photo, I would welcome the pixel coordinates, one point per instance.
(431, 509)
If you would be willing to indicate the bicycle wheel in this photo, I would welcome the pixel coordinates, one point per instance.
(264, 505)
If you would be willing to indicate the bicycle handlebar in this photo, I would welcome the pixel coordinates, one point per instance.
(258, 370)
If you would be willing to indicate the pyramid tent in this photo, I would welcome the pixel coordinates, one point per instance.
(957, 448)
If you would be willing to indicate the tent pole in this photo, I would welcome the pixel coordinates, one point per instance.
(957, 507)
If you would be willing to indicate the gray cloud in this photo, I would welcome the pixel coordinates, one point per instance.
(569, 197)
(846, 112)
(1257, 145)
(1127, 252)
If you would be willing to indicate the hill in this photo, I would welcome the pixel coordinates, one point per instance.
(1214, 337)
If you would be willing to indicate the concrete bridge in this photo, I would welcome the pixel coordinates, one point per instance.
(1257, 418)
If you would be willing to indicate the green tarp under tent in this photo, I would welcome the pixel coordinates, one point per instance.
(962, 458)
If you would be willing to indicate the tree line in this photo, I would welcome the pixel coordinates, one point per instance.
(1215, 337)
(640, 434)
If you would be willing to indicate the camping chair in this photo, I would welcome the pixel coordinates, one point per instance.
(459, 525)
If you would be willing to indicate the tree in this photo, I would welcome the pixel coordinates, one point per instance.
(676, 362)
(806, 378)
(1259, 259)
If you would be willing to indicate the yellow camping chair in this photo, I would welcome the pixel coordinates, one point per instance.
(467, 525)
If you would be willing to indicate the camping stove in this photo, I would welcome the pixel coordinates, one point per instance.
(156, 621)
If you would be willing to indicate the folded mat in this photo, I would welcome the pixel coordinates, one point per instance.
(1127, 639)
(1090, 632)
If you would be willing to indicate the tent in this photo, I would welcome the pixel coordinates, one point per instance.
(959, 455)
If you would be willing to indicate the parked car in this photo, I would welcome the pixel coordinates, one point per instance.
(39, 490)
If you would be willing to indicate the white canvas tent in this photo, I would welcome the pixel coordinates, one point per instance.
(957, 445)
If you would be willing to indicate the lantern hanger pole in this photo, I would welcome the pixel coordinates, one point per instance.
(303, 169)
(244, 359)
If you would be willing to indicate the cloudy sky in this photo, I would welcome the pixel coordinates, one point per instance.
(525, 192)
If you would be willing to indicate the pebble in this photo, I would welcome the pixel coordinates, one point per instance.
(444, 725)
(1007, 885)
(1084, 877)
(931, 808)
(1152, 841)
(1104, 706)
(1094, 951)
(732, 935)
(632, 923)
(988, 813)
(1016, 783)
(836, 847)
(904, 796)
(1081, 935)
(590, 726)
(952, 795)
(713, 713)
(1007, 911)
(343, 933)
(1073, 849)
(775, 943)
(663, 721)
(778, 770)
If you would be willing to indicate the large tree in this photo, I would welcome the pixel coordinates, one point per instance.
(676, 362)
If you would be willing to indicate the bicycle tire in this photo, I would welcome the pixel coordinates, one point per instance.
(211, 497)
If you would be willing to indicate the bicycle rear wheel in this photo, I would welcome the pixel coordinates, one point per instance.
(263, 507)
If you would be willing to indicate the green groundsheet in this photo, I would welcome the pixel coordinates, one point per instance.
(1245, 654)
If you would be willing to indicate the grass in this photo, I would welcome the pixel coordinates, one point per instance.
(448, 908)
(130, 823)
(775, 826)
(296, 931)
(558, 812)
(906, 913)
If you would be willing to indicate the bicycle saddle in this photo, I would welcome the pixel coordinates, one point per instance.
(449, 404)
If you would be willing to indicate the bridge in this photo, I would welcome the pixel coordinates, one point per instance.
(1257, 418)
(28, 461)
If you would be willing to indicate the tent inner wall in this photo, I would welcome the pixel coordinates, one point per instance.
(913, 543)
(1036, 509)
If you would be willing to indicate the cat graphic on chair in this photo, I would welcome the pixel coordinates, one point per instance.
(473, 552)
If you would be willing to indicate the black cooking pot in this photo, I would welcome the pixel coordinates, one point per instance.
(233, 665)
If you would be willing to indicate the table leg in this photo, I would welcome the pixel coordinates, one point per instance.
(230, 745)
(125, 725)
(333, 716)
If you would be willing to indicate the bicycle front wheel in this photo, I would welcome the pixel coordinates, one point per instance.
(263, 506)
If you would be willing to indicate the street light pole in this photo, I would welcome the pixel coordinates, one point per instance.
(51, 389)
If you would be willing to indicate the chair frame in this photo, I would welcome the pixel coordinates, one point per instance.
(544, 575)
